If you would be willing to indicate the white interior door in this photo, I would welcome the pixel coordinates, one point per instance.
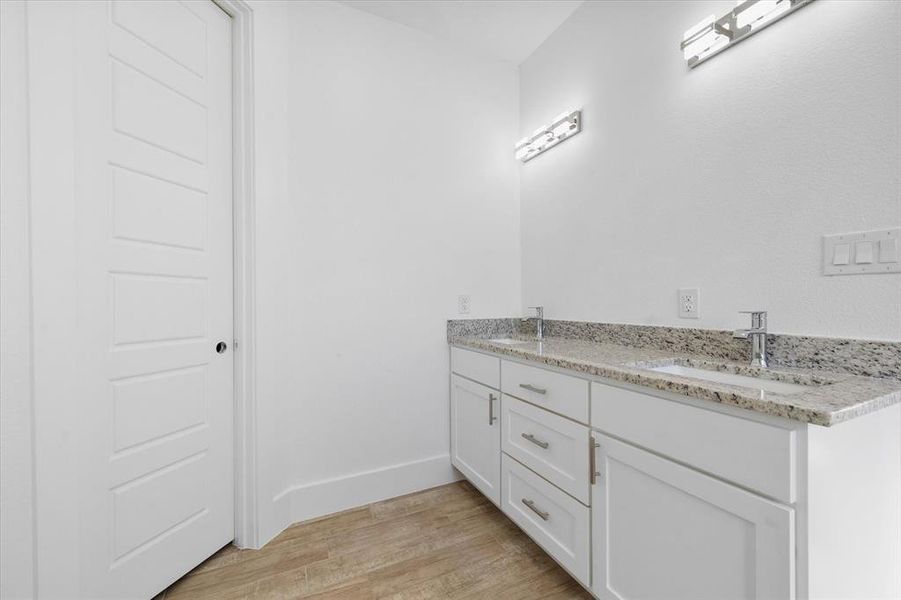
(153, 229)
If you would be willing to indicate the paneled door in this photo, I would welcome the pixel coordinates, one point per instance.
(663, 530)
(476, 435)
(153, 151)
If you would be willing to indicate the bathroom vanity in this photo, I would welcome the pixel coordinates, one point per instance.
(649, 473)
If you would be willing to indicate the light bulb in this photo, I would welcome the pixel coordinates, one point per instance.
(762, 11)
(706, 43)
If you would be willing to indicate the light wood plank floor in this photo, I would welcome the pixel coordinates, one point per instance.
(447, 542)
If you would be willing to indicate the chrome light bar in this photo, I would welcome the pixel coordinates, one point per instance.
(713, 35)
(564, 126)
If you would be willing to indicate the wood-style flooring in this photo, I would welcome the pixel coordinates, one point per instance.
(447, 542)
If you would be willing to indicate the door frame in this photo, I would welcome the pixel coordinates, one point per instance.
(243, 266)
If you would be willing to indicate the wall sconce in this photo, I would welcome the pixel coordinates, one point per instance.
(711, 36)
(563, 127)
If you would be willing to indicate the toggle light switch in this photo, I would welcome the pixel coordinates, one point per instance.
(863, 253)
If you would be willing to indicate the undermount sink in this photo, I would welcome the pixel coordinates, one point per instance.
(759, 383)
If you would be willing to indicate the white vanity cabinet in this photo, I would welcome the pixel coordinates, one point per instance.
(698, 533)
(545, 475)
(520, 435)
(475, 421)
(689, 499)
(663, 530)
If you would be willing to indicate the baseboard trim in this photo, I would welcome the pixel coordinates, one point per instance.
(320, 498)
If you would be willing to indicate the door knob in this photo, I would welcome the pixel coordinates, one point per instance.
(221, 347)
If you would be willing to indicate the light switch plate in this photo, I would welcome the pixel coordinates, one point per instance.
(689, 303)
(862, 252)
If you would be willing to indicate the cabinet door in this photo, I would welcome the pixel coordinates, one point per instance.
(475, 435)
(662, 530)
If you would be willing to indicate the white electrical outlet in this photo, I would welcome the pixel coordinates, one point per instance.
(463, 303)
(689, 303)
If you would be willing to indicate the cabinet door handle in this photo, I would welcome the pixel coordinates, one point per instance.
(532, 388)
(531, 504)
(592, 459)
(491, 417)
(535, 441)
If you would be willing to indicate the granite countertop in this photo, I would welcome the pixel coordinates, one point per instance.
(831, 398)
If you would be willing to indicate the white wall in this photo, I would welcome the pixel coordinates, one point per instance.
(723, 177)
(16, 533)
(385, 189)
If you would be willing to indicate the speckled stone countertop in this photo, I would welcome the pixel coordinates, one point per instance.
(831, 398)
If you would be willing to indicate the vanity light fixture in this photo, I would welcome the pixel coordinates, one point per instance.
(713, 35)
(563, 127)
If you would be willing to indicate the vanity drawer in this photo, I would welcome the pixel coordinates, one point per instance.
(560, 393)
(756, 455)
(479, 367)
(556, 522)
(552, 446)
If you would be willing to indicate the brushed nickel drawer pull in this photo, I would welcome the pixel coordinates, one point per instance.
(535, 441)
(592, 459)
(532, 388)
(531, 504)
(491, 417)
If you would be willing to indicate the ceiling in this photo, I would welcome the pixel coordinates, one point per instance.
(506, 29)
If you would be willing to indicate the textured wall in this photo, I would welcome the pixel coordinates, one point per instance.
(724, 177)
(386, 187)
(16, 534)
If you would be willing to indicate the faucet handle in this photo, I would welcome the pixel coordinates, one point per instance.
(758, 318)
(539, 310)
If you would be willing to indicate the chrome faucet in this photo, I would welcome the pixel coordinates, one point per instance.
(757, 334)
(539, 321)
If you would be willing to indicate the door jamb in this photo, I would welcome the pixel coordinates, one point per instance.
(245, 447)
